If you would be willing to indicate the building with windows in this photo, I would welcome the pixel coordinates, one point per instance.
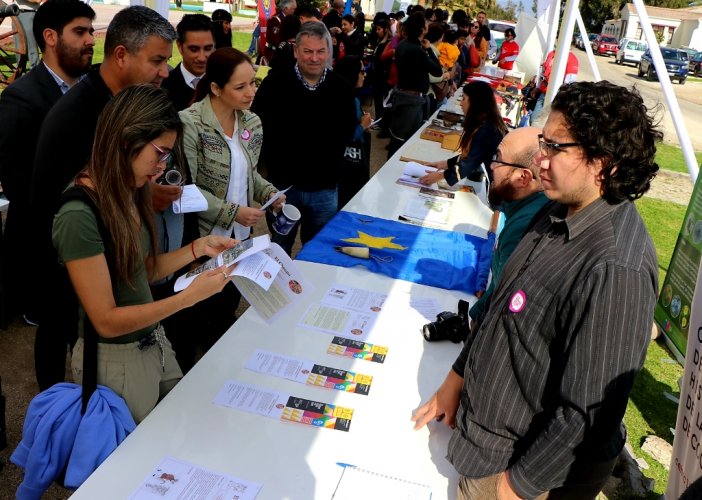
(673, 27)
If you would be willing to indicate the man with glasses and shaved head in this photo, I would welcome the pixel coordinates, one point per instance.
(516, 192)
(538, 393)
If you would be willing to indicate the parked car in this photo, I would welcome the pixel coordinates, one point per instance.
(579, 41)
(605, 45)
(695, 64)
(676, 63)
(630, 51)
(690, 52)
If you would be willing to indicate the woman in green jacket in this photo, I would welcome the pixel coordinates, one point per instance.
(222, 142)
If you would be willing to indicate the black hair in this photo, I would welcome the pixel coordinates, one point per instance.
(450, 36)
(132, 27)
(221, 15)
(510, 31)
(612, 124)
(434, 33)
(349, 68)
(308, 11)
(458, 16)
(289, 27)
(482, 107)
(220, 68)
(414, 25)
(381, 23)
(222, 38)
(349, 19)
(194, 22)
(55, 15)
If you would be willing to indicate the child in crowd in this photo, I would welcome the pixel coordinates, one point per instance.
(448, 50)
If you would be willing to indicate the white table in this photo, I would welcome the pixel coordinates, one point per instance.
(295, 461)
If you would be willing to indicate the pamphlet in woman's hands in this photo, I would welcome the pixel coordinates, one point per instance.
(272, 200)
(258, 267)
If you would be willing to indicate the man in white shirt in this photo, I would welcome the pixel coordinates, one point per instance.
(195, 41)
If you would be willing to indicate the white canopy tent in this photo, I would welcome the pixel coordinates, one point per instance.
(548, 11)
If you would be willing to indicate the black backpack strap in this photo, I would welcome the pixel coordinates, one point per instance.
(90, 335)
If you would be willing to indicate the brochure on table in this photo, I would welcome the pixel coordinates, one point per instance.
(176, 480)
(285, 407)
(308, 372)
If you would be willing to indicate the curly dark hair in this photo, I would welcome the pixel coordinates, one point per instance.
(612, 124)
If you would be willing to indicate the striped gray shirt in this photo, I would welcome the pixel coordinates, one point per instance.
(549, 370)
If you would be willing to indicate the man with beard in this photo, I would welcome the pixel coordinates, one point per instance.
(517, 192)
(63, 30)
(138, 44)
(540, 388)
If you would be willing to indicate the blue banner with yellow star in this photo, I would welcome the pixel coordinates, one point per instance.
(442, 259)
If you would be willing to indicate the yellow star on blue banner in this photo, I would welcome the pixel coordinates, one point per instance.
(375, 241)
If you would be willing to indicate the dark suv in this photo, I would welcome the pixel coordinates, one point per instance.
(605, 45)
(695, 64)
(675, 63)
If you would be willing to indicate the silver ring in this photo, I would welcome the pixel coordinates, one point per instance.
(225, 275)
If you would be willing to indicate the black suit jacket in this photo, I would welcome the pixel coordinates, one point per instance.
(23, 107)
(64, 148)
(180, 92)
(354, 44)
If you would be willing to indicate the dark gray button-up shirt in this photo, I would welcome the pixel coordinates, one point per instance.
(548, 372)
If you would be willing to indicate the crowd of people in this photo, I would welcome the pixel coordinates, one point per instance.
(538, 392)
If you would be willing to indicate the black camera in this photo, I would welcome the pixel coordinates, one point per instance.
(448, 325)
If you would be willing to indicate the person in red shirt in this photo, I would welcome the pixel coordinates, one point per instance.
(571, 73)
(509, 50)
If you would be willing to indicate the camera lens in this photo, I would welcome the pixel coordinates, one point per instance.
(429, 332)
(173, 178)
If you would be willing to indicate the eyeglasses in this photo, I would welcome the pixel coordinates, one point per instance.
(165, 155)
(506, 163)
(548, 149)
(475, 26)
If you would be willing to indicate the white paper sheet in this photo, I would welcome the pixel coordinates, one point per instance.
(251, 399)
(414, 169)
(228, 257)
(338, 321)
(259, 268)
(432, 209)
(354, 298)
(288, 287)
(177, 480)
(272, 200)
(191, 200)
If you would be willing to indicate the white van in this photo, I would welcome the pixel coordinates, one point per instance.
(630, 51)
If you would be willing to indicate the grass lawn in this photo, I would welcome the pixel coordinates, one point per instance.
(240, 41)
(649, 411)
(671, 158)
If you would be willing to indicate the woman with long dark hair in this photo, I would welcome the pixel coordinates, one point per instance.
(109, 252)
(222, 142)
(483, 130)
(356, 169)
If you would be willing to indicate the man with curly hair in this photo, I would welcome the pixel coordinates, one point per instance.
(538, 393)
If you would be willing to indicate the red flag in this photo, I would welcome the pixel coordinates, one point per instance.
(266, 9)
